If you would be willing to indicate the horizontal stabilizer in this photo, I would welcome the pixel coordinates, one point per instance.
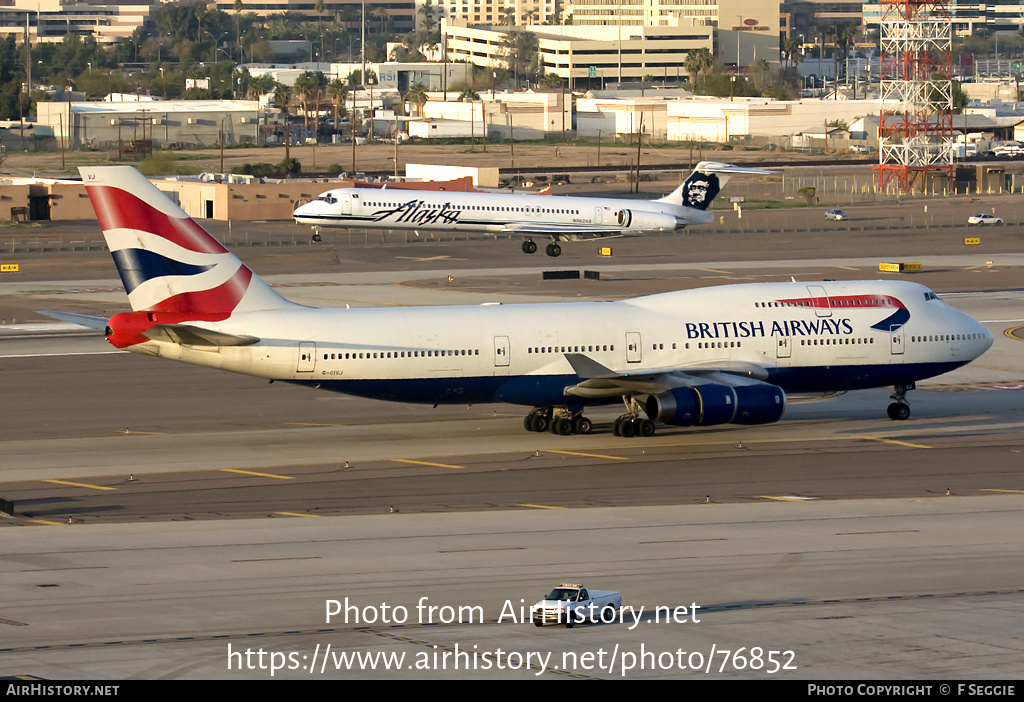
(82, 320)
(189, 335)
(715, 167)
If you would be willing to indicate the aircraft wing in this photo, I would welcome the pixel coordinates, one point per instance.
(600, 381)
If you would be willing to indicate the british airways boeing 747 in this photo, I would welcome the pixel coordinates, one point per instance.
(701, 357)
(558, 217)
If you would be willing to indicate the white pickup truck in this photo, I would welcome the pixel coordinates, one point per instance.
(572, 603)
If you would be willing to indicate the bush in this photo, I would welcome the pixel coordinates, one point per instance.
(809, 194)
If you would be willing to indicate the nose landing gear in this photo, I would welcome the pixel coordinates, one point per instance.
(900, 410)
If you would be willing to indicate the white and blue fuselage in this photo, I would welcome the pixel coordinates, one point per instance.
(800, 337)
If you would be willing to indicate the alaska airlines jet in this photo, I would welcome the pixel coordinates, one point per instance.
(562, 218)
(702, 357)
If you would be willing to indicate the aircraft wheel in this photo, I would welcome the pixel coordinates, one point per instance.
(529, 247)
(646, 428)
(539, 423)
(554, 250)
(627, 428)
(582, 425)
(562, 426)
(898, 411)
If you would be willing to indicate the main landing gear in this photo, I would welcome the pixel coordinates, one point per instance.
(900, 410)
(552, 249)
(631, 423)
(558, 420)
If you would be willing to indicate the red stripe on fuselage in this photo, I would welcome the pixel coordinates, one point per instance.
(118, 209)
(845, 301)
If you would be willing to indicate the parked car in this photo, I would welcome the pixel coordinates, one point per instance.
(836, 215)
(860, 149)
(983, 219)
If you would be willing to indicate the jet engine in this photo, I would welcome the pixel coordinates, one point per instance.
(646, 221)
(715, 403)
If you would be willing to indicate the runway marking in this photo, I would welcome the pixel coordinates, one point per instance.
(712, 270)
(1012, 492)
(540, 506)
(588, 455)
(426, 463)
(890, 441)
(312, 424)
(43, 521)
(426, 258)
(848, 268)
(145, 433)
(295, 514)
(85, 485)
(786, 498)
(262, 475)
(46, 355)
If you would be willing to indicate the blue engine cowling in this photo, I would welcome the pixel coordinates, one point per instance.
(714, 403)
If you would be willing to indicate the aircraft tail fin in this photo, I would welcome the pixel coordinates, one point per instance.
(167, 262)
(706, 181)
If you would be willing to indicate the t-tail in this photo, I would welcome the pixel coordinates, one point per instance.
(704, 184)
(173, 270)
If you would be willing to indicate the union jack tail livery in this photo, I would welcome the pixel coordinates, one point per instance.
(167, 262)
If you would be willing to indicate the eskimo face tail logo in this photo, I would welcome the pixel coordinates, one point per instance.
(167, 263)
(700, 189)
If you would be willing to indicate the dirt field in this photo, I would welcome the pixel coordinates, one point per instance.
(380, 157)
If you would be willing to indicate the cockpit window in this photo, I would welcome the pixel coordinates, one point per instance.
(930, 296)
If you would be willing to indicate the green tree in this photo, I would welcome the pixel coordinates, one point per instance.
(698, 61)
(519, 51)
(417, 95)
(337, 92)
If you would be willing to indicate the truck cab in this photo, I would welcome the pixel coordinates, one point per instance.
(572, 603)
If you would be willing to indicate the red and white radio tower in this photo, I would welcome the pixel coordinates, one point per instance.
(915, 127)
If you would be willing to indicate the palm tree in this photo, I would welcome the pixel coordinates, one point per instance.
(199, 10)
(320, 7)
(337, 91)
(238, 31)
(260, 85)
(551, 81)
(382, 14)
(282, 98)
(846, 35)
(791, 50)
(306, 86)
(428, 11)
(417, 95)
(698, 61)
(761, 68)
